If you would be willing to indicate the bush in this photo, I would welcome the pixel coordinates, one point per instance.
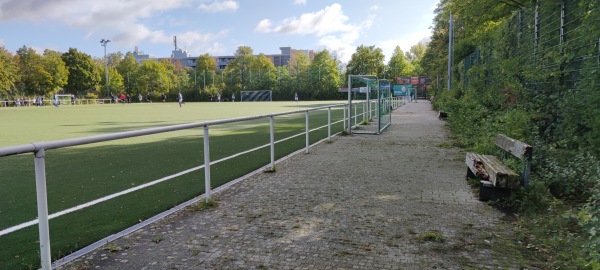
(571, 176)
(589, 220)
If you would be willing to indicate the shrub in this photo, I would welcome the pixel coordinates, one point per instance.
(589, 220)
(572, 176)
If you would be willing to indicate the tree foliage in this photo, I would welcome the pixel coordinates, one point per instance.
(40, 74)
(533, 79)
(367, 60)
(83, 75)
(398, 65)
(127, 68)
(9, 72)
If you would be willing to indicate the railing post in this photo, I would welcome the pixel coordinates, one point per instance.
(344, 117)
(42, 207)
(329, 124)
(272, 131)
(206, 165)
(307, 133)
(355, 116)
(364, 111)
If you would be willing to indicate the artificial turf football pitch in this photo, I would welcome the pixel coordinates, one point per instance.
(80, 174)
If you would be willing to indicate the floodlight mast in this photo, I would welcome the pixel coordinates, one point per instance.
(104, 42)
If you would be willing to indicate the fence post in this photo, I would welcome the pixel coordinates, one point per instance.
(329, 124)
(272, 131)
(42, 207)
(307, 133)
(206, 165)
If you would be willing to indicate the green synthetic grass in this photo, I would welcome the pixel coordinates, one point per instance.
(80, 174)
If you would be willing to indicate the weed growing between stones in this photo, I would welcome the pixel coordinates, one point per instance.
(203, 205)
(432, 236)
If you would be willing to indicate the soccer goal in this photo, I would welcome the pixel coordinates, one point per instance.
(376, 107)
(257, 95)
(64, 99)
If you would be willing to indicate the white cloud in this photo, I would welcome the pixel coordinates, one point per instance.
(122, 18)
(299, 2)
(405, 42)
(220, 6)
(83, 11)
(215, 48)
(263, 26)
(329, 24)
(374, 8)
(329, 20)
(342, 47)
(197, 43)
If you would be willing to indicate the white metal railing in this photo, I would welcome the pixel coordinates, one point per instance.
(39, 150)
(369, 111)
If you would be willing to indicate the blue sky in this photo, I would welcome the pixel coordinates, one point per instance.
(216, 27)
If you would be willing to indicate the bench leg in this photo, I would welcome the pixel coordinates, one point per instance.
(487, 192)
(470, 174)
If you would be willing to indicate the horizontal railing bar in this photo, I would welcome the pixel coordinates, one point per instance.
(26, 148)
(130, 190)
(99, 243)
(99, 200)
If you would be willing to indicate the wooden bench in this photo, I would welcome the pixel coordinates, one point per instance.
(497, 179)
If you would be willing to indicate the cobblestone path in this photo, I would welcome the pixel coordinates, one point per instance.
(397, 200)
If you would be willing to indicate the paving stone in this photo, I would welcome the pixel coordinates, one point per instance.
(358, 203)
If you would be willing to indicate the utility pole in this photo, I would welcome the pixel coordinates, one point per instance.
(450, 48)
(104, 42)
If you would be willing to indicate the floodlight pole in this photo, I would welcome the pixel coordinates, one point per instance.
(450, 49)
(104, 42)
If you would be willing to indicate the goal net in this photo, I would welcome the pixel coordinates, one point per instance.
(375, 107)
(257, 95)
(64, 99)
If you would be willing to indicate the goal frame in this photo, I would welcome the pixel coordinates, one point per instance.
(64, 99)
(247, 96)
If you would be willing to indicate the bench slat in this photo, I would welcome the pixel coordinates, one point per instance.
(494, 170)
(517, 148)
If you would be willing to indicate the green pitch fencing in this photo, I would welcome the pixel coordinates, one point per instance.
(74, 192)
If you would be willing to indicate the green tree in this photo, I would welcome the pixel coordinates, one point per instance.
(151, 77)
(127, 69)
(114, 59)
(205, 68)
(367, 60)
(298, 69)
(41, 74)
(115, 81)
(56, 73)
(32, 71)
(398, 66)
(324, 78)
(239, 69)
(83, 76)
(415, 55)
(435, 59)
(264, 75)
(283, 85)
(9, 72)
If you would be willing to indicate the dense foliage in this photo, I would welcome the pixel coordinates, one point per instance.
(529, 69)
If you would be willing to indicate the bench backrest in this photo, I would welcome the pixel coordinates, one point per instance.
(518, 149)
